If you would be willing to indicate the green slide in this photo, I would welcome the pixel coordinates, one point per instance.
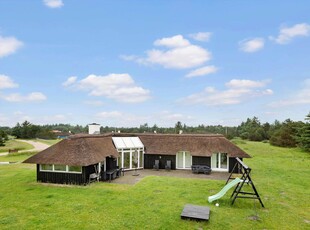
(224, 190)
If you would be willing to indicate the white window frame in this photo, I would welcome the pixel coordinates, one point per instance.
(219, 169)
(184, 161)
(58, 171)
(131, 151)
(66, 166)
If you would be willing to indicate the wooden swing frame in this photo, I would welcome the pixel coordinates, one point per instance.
(245, 178)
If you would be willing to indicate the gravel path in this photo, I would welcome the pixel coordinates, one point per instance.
(37, 146)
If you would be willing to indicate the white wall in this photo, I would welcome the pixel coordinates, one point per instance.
(93, 128)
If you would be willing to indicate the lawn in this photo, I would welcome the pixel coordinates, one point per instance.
(281, 176)
(17, 157)
(14, 144)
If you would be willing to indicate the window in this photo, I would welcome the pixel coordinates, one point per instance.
(75, 169)
(140, 158)
(127, 160)
(134, 158)
(120, 160)
(61, 168)
(219, 161)
(180, 160)
(184, 160)
(46, 167)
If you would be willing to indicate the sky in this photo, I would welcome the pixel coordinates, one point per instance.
(125, 63)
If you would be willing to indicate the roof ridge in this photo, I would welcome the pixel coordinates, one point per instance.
(77, 136)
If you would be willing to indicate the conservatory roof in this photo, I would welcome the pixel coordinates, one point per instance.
(127, 142)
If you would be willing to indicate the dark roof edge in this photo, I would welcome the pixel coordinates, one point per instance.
(141, 134)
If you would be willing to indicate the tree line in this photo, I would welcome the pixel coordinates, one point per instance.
(285, 134)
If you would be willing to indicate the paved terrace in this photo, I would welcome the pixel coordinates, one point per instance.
(128, 177)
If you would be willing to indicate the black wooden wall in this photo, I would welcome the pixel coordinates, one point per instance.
(232, 162)
(207, 161)
(149, 161)
(201, 161)
(111, 163)
(65, 178)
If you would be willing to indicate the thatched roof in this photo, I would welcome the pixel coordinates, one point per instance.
(196, 144)
(77, 151)
(83, 150)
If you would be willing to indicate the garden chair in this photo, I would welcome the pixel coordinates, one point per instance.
(156, 165)
(119, 172)
(168, 165)
(93, 177)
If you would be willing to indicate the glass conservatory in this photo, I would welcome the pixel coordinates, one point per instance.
(131, 151)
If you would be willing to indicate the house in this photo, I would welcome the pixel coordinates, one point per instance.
(61, 135)
(73, 160)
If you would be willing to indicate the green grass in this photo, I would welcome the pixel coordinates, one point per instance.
(17, 157)
(13, 144)
(281, 176)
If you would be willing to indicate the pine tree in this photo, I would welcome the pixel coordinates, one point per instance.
(303, 137)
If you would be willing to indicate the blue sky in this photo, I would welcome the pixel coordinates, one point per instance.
(126, 63)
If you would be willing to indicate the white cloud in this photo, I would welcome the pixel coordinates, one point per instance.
(7, 82)
(177, 53)
(129, 57)
(201, 36)
(119, 87)
(171, 42)
(9, 45)
(288, 33)
(3, 119)
(236, 92)
(109, 115)
(69, 81)
(19, 116)
(94, 103)
(120, 119)
(267, 92)
(169, 117)
(252, 45)
(53, 3)
(202, 71)
(125, 119)
(54, 119)
(32, 97)
(301, 97)
(243, 83)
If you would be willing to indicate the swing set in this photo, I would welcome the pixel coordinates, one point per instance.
(245, 178)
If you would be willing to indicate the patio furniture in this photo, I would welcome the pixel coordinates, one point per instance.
(119, 172)
(156, 165)
(112, 174)
(168, 165)
(201, 169)
(93, 177)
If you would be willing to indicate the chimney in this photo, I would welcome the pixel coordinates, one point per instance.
(94, 128)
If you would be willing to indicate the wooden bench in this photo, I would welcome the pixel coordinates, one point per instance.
(13, 150)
